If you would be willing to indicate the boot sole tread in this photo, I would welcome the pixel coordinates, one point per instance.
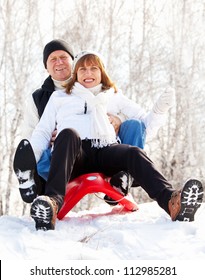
(191, 199)
(44, 222)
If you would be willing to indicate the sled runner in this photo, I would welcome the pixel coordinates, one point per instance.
(92, 183)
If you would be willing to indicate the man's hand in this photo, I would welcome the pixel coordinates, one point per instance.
(53, 137)
(115, 121)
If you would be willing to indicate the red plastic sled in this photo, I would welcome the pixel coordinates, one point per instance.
(91, 183)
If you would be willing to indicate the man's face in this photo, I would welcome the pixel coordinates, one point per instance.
(59, 64)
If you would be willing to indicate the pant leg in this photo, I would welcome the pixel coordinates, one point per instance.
(43, 165)
(67, 153)
(133, 132)
(133, 160)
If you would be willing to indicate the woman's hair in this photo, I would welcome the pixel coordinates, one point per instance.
(91, 59)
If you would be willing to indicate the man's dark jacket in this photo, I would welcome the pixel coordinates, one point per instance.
(42, 95)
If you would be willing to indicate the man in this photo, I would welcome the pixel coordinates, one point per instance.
(58, 56)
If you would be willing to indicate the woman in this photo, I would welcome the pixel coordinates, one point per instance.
(86, 142)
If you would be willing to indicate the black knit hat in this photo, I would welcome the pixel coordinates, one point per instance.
(56, 45)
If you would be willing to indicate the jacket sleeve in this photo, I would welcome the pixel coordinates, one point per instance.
(40, 139)
(153, 122)
(31, 118)
(132, 110)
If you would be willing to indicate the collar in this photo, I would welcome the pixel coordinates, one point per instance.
(59, 84)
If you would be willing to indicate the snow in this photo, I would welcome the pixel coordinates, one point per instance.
(104, 238)
(106, 233)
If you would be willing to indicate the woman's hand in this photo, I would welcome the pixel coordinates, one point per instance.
(165, 101)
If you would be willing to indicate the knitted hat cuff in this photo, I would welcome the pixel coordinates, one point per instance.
(86, 52)
(56, 45)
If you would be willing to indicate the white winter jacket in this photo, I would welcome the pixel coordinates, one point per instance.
(68, 111)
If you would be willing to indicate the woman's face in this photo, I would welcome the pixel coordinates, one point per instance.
(89, 75)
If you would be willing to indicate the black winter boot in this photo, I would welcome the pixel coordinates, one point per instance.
(122, 182)
(24, 166)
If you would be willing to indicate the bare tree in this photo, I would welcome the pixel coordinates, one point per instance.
(17, 60)
(184, 138)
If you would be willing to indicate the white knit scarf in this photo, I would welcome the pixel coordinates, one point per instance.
(103, 133)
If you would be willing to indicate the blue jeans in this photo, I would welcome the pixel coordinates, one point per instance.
(132, 132)
(43, 165)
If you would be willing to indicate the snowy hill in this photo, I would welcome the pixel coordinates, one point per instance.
(106, 233)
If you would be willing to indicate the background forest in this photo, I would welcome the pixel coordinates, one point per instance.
(148, 45)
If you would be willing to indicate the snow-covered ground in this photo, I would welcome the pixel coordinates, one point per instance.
(106, 234)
